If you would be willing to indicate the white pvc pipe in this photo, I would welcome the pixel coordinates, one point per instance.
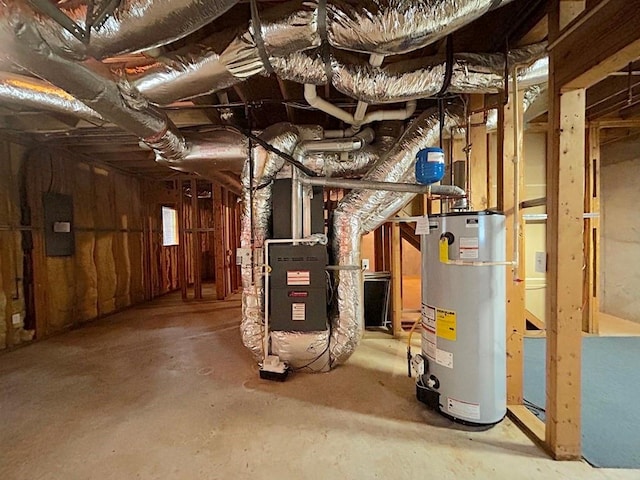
(517, 106)
(311, 96)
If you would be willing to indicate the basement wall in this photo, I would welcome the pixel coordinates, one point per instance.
(620, 223)
(12, 303)
(106, 272)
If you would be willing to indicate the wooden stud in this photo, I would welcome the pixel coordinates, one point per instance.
(608, 31)
(182, 240)
(509, 148)
(195, 241)
(592, 233)
(478, 160)
(218, 246)
(565, 194)
(396, 279)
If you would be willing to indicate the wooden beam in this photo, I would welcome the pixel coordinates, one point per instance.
(565, 204)
(608, 32)
(591, 299)
(512, 138)
(182, 243)
(195, 241)
(396, 279)
(218, 245)
(529, 423)
(478, 181)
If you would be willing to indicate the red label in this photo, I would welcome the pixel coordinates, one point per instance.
(298, 294)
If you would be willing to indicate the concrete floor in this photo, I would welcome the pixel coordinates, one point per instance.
(167, 391)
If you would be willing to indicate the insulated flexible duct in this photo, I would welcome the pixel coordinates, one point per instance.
(364, 210)
(387, 27)
(192, 72)
(134, 25)
(266, 165)
(20, 91)
(118, 102)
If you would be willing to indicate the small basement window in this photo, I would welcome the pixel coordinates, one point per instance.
(169, 227)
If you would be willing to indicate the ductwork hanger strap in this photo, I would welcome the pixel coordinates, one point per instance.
(448, 74)
(257, 36)
(325, 48)
(270, 148)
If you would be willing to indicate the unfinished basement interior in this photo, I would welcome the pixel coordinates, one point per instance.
(284, 239)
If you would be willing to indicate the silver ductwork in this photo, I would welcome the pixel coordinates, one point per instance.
(135, 25)
(21, 91)
(117, 102)
(391, 27)
(255, 226)
(287, 31)
(193, 72)
(364, 210)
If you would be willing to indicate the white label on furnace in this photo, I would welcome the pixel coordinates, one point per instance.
(469, 247)
(464, 410)
(298, 312)
(298, 278)
(422, 226)
(429, 338)
(444, 358)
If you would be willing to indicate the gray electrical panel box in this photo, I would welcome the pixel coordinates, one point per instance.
(58, 221)
(298, 288)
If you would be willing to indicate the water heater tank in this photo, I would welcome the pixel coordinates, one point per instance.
(463, 317)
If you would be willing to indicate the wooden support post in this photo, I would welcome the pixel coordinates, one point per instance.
(195, 241)
(511, 148)
(235, 239)
(396, 279)
(182, 243)
(591, 299)
(478, 167)
(218, 248)
(565, 194)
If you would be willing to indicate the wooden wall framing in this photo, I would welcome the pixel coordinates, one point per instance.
(608, 31)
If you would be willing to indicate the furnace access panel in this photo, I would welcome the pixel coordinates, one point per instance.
(298, 288)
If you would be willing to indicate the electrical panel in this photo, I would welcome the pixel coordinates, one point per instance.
(58, 220)
(298, 288)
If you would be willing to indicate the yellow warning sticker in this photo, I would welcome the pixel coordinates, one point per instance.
(446, 324)
(444, 250)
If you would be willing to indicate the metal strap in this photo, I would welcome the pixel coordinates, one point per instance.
(257, 36)
(448, 74)
(325, 48)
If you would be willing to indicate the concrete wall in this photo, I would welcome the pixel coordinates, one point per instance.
(620, 223)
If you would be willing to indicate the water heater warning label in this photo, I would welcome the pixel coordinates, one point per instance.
(463, 410)
(446, 324)
(429, 331)
(469, 247)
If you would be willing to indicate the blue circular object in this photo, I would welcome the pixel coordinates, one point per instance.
(429, 165)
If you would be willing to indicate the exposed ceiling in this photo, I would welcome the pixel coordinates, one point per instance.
(261, 101)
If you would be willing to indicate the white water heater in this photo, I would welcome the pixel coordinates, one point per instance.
(463, 317)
